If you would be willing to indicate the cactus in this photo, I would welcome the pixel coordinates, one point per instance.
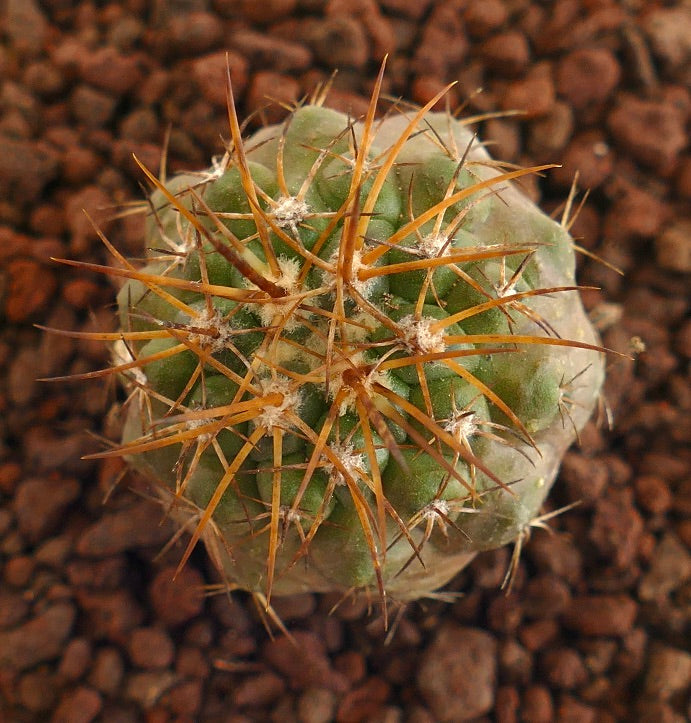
(355, 353)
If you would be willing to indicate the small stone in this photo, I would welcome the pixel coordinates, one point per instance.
(612, 615)
(136, 526)
(563, 668)
(268, 92)
(457, 673)
(41, 638)
(587, 75)
(585, 479)
(590, 156)
(533, 95)
(670, 568)
(36, 690)
(259, 690)
(669, 31)
(653, 494)
(13, 608)
(193, 33)
(210, 70)
(185, 698)
(90, 107)
(76, 659)
(545, 596)
(111, 71)
(177, 599)
(79, 706)
(316, 705)
(617, 527)
(107, 671)
(146, 688)
(150, 648)
(537, 706)
(507, 53)
(26, 25)
(29, 287)
(572, 710)
(267, 51)
(110, 615)
(483, 17)
(515, 662)
(338, 41)
(653, 132)
(314, 668)
(673, 247)
(668, 672)
(40, 504)
(365, 701)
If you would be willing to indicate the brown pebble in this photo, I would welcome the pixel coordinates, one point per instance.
(30, 285)
(40, 639)
(507, 53)
(587, 75)
(673, 247)
(507, 704)
(147, 687)
(190, 662)
(210, 70)
(585, 479)
(539, 634)
(111, 71)
(669, 569)
(314, 668)
(570, 709)
(616, 527)
(177, 599)
(316, 705)
(37, 690)
(612, 615)
(19, 570)
(16, 155)
(136, 526)
(545, 596)
(41, 502)
(193, 33)
(107, 670)
(590, 156)
(268, 92)
(563, 668)
(533, 95)
(76, 659)
(259, 690)
(185, 699)
(338, 41)
(364, 702)
(79, 706)
(536, 705)
(457, 673)
(652, 132)
(150, 648)
(668, 672)
(110, 615)
(653, 494)
(90, 107)
(267, 51)
(483, 17)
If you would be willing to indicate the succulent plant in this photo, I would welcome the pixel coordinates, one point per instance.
(355, 353)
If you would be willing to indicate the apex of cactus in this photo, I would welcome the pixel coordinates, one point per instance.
(355, 353)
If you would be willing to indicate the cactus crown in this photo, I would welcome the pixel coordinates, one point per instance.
(350, 352)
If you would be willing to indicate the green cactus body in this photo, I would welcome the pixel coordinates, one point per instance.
(344, 362)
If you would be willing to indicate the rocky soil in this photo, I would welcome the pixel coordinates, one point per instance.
(92, 627)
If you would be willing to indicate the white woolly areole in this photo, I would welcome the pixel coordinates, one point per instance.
(437, 508)
(364, 288)
(462, 425)
(418, 334)
(212, 322)
(290, 212)
(274, 415)
(349, 458)
(287, 279)
(336, 383)
(434, 244)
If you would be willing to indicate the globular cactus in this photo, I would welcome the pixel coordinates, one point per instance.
(355, 353)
